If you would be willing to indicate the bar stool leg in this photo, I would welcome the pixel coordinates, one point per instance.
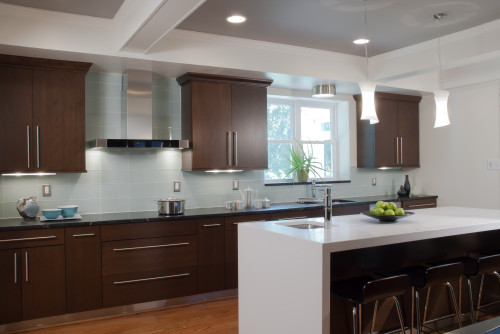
(412, 318)
(479, 297)
(374, 317)
(400, 315)
(355, 319)
(471, 303)
(426, 304)
(360, 319)
(452, 293)
(417, 309)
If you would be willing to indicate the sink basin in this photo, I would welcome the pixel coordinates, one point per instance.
(307, 225)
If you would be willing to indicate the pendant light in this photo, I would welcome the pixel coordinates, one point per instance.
(368, 87)
(440, 95)
(322, 91)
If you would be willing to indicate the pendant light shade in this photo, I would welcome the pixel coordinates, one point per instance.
(368, 94)
(322, 91)
(441, 99)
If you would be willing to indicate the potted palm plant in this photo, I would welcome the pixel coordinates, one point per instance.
(302, 162)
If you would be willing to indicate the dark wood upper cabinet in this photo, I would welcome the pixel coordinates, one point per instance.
(42, 115)
(394, 141)
(225, 119)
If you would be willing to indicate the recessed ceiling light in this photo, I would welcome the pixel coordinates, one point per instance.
(361, 41)
(236, 19)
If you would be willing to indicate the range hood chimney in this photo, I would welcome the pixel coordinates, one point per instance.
(138, 117)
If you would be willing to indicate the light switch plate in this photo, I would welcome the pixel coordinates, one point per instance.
(494, 164)
(177, 186)
(46, 190)
(374, 181)
(236, 184)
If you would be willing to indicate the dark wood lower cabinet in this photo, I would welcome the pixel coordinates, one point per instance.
(43, 282)
(211, 255)
(10, 286)
(142, 270)
(414, 204)
(83, 268)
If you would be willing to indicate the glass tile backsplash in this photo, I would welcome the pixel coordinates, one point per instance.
(119, 180)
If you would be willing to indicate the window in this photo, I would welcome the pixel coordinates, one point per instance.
(313, 124)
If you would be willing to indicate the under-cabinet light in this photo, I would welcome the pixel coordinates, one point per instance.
(223, 171)
(28, 174)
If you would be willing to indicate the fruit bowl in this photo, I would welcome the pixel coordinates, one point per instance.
(387, 218)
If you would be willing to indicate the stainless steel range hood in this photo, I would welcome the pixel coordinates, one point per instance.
(138, 117)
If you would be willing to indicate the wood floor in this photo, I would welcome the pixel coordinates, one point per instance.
(219, 316)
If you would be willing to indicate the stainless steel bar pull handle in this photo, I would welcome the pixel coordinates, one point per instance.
(401, 150)
(83, 235)
(149, 247)
(38, 146)
(29, 238)
(235, 147)
(28, 140)
(397, 150)
(229, 149)
(15, 268)
(27, 266)
(150, 279)
(211, 225)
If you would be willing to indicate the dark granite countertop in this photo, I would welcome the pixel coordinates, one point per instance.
(151, 216)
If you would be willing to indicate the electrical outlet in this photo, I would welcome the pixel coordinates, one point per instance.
(374, 181)
(494, 164)
(236, 184)
(46, 190)
(177, 186)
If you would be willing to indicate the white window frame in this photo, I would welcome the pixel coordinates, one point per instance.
(295, 131)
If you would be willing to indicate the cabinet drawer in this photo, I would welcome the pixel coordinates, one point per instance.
(147, 230)
(147, 255)
(31, 238)
(231, 223)
(419, 204)
(150, 269)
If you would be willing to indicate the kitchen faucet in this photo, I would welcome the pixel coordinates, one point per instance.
(328, 201)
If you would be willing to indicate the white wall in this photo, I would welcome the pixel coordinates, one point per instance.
(453, 159)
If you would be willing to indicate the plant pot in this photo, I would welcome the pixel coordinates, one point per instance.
(303, 174)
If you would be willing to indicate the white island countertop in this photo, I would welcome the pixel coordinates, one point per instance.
(284, 273)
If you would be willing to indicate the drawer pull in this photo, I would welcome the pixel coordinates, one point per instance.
(148, 247)
(15, 268)
(252, 221)
(211, 225)
(83, 235)
(293, 218)
(27, 266)
(420, 205)
(32, 238)
(150, 279)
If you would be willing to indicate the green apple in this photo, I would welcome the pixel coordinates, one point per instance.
(380, 204)
(392, 206)
(389, 212)
(378, 211)
(372, 210)
(399, 212)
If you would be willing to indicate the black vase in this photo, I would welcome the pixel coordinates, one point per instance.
(407, 185)
(402, 192)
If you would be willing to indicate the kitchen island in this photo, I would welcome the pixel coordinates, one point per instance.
(285, 273)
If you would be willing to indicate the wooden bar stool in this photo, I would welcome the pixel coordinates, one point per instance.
(366, 289)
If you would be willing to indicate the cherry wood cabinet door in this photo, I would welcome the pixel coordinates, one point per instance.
(83, 268)
(386, 131)
(59, 120)
(16, 129)
(211, 255)
(211, 125)
(408, 132)
(10, 286)
(249, 125)
(43, 282)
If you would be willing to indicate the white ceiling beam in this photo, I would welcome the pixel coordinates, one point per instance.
(141, 26)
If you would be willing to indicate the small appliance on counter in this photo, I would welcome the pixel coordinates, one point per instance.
(28, 207)
(171, 206)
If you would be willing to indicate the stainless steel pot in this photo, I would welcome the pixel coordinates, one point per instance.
(171, 206)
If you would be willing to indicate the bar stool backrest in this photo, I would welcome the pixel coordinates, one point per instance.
(385, 288)
(443, 273)
(488, 264)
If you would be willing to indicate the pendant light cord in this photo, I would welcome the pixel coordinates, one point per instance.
(366, 47)
(440, 77)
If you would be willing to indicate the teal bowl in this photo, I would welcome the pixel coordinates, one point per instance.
(51, 213)
(68, 211)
